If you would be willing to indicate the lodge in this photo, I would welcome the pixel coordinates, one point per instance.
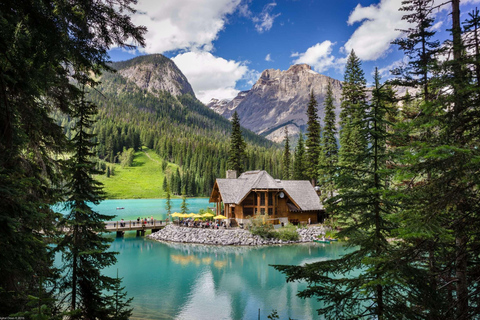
(257, 193)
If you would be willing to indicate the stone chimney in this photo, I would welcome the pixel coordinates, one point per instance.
(231, 174)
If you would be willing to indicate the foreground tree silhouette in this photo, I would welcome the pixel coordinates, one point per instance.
(44, 44)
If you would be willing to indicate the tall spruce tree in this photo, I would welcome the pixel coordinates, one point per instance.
(286, 157)
(84, 248)
(368, 281)
(184, 205)
(236, 155)
(168, 201)
(440, 197)
(419, 45)
(312, 143)
(353, 105)
(329, 154)
(299, 159)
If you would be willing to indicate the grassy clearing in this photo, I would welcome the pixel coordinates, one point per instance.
(143, 180)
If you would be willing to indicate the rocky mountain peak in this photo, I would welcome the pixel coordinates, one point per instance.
(155, 73)
(297, 68)
(279, 99)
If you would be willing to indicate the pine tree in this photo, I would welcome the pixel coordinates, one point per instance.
(286, 157)
(353, 105)
(119, 304)
(184, 205)
(365, 211)
(168, 203)
(329, 154)
(236, 155)
(84, 248)
(312, 143)
(299, 161)
(58, 39)
(419, 45)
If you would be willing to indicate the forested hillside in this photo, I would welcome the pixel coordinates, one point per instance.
(179, 129)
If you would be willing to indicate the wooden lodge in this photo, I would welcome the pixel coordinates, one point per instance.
(257, 193)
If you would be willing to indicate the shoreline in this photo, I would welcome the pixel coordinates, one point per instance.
(228, 237)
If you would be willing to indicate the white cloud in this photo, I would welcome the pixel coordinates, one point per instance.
(319, 56)
(264, 21)
(268, 58)
(210, 76)
(379, 27)
(182, 24)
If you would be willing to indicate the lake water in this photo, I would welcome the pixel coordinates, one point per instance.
(187, 281)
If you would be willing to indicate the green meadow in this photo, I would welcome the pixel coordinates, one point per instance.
(143, 180)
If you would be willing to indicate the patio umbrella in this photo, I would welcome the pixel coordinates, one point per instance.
(208, 215)
(220, 217)
(190, 215)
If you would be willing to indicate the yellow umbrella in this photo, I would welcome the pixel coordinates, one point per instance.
(196, 216)
(208, 215)
(220, 217)
(189, 215)
(176, 214)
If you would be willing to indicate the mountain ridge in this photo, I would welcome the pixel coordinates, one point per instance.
(279, 99)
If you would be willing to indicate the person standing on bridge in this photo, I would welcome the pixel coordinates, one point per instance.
(122, 223)
(151, 220)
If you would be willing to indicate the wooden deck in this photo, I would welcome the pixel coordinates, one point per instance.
(113, 226)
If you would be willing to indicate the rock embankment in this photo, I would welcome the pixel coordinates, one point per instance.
(229, 237)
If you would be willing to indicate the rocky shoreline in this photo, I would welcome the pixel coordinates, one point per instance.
(228, 237)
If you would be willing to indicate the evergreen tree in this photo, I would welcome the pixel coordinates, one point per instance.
(365, 210)
(184, 205)
(164, 184)
(236, 154)
(353, 105)
(44, 44)
(419, 45)
(299, 161)
(168, 203)
(286, 157)
(329, 154)
(85, 249)
(119, 303)
(312, 143)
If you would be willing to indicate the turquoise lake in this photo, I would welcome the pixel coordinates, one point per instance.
(188, 281)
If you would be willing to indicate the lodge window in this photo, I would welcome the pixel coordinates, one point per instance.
(270, 211)
(270, 198)
(262, 211)
(262, 198)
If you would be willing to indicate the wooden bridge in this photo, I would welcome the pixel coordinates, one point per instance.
(140, 226)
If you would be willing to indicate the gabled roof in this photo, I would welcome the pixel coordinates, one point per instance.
(233, 191)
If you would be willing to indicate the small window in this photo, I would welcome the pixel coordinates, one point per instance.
(270, 198)
(262, 211)
(262, 198)
(270, 211)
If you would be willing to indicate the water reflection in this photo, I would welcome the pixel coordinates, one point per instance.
(184, 281)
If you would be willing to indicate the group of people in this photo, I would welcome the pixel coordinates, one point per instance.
(202, 224)
(140, 221)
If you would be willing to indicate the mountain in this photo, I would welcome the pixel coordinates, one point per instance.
(279, 99)
(154, 73)
(149, 102)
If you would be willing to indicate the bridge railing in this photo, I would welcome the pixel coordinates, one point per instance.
(129, 224)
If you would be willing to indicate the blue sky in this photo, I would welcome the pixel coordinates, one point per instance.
(222, 46)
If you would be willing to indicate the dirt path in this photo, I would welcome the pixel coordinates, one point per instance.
(146, 153)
